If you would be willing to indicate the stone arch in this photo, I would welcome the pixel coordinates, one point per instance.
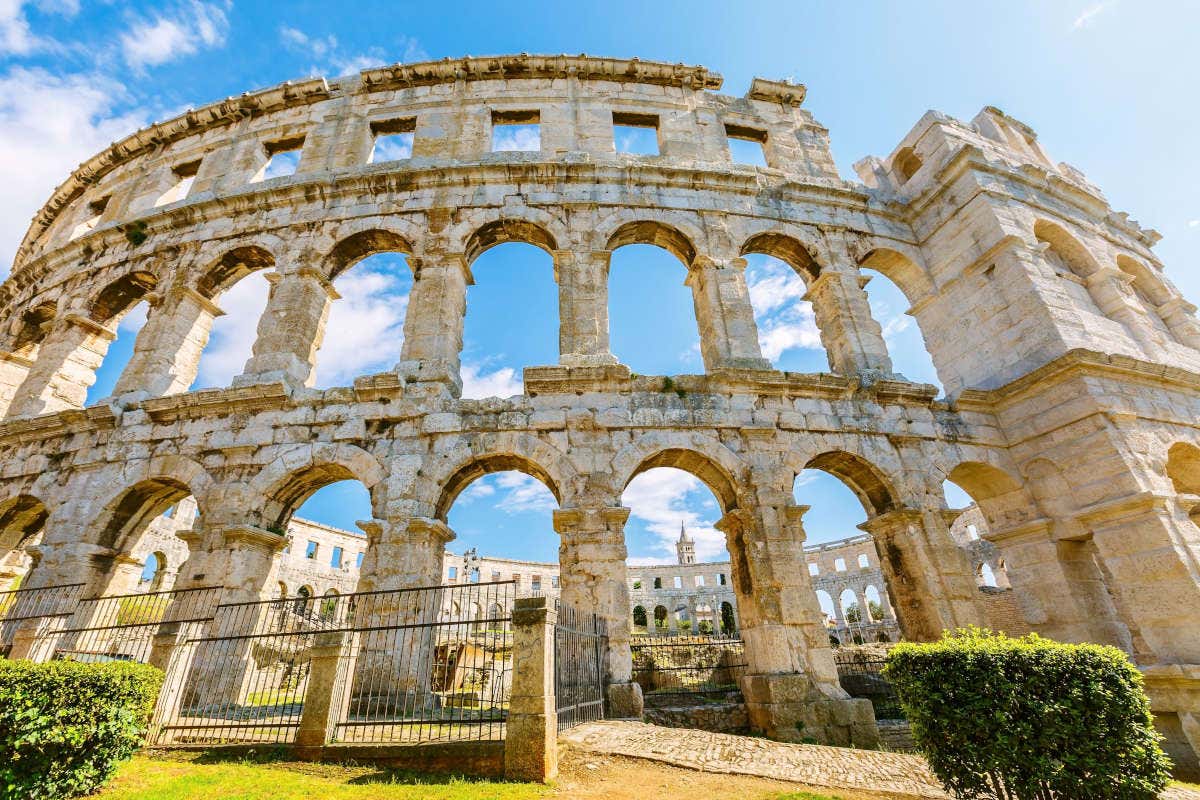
(901, 269)
(873, 489)
(1002, 498)
(906, 163)
(714, 464)
(1150, 292)
(292, 476)
(445, 479)
(121, 294)
(231, 266)
(661, 617)
(32, 327)
(22, 517)
(659, 234)
(149, 489)
(787, 249)
(363, 244)
(640, 618)
(1183, 467)
(507, 230)
(1075, 256)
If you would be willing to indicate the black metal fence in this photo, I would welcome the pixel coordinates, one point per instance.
(861, 675)
(124, 627)
(688, 665)
(407, 666)
(580, 675)
(36, 612)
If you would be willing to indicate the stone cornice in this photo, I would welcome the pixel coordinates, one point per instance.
(216, 402)
(525, 66)
(1075, 363)
(23, 430)
(782, 92)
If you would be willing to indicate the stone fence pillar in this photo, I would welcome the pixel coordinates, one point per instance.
(852, 337)
(583, 307)
(728, 332)
(531, 738)
(166, 355)
(326, 696)
(290, 330)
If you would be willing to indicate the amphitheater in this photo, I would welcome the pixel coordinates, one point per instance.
(1070, 363)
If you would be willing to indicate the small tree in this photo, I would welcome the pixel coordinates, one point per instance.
(853, 614)
(876, 610)
(1029, 719)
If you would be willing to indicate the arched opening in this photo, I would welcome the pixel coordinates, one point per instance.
(143, 524)
(640, 618)
(901, 333)
(1149, 292)
(851, 610)
(514, 278)
(660, 619)
(651, 309)
(153, 572)
(987, 577)
(906, 163)
(729, 626)
(874, 605)
(120, 307)
(825, 601)
(239, 283)
(34, 324)
(778, 272)
(318, 513)
(22, 522)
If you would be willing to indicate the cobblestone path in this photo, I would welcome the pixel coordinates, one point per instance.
(816, 765)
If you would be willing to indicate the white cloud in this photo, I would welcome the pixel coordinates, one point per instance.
(785, 321)
(1086, 16)
(664, 498)
(332, 60)
(174, 35)
(517, 137)
(502, 382)
(365, 328)
(233, 335)
(523, 493)
(1194, 223)
(15, 36)
(48, 125)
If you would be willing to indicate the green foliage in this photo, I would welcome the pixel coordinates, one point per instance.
(136, 233)
(65, 726)
(1029, 718)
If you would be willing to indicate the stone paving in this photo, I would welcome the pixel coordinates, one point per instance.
(816, 765)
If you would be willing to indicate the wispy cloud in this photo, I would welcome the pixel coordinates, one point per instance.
(502, 382)
(15, 36)
(333, 60)
(664, 498)
(511, 493)
(1194, 223)
(180, 32)
(1088, 14)
(517, 137)
(785, 321)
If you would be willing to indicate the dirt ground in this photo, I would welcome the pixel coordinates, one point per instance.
(587, 776)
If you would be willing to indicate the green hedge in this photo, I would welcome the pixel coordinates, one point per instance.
(65, 726)
(1029, 718)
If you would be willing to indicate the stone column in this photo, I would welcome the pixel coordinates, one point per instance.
(437, 307)
(928, 576)
(852, 337)
(531, 737)
(166, 355)
(791, 682)
(1180, 316)
(66, 366)
(290, 330)
(593, 578)
(13, 371)
(728, 333)
(583, 307)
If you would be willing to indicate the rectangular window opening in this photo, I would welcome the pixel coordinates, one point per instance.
(699, 580)
(283, 159)
(358, 561)
(814, 569)
(678, 582)
(393, 139)
(519, 131)
(310, 550)
(721, 579)
(452, 573)
(747, 145)
(184, 175)
(336, 561)
(95, 210)
(839, 565)
(635, 134)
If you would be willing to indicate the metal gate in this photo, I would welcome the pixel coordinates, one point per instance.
(580, 675)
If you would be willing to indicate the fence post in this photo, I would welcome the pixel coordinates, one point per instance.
(321, 710)
(531, 738)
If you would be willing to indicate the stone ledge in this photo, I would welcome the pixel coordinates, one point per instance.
(23, 430)
(217, 402)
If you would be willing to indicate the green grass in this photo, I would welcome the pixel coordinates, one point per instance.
(206, 777)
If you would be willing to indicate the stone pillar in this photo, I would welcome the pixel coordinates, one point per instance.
(437, 307)
(791, 683)
(728, 333)
(1180, 316)
(290, 330)
(593, 578)
(531, 737)
(13, 370)
(852, 337)
(1110, 287)
(325, 692)
(166, 355)
(583, 307)
(928, 576)
(66, 366)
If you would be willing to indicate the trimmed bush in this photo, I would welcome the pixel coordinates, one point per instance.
(1029, 718)
(65, 726)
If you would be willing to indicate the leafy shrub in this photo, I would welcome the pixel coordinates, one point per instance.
(1029, 719)
(65, 726)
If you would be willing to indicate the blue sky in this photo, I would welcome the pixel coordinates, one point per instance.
(1108, 84)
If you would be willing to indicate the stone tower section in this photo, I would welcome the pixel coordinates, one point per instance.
(1071, 374)
(685, 548)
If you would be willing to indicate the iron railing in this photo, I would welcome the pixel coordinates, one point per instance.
(580, 652)
(696, 665)
(861, 675)
(38, 612)
(124, 627)
(406, 666)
